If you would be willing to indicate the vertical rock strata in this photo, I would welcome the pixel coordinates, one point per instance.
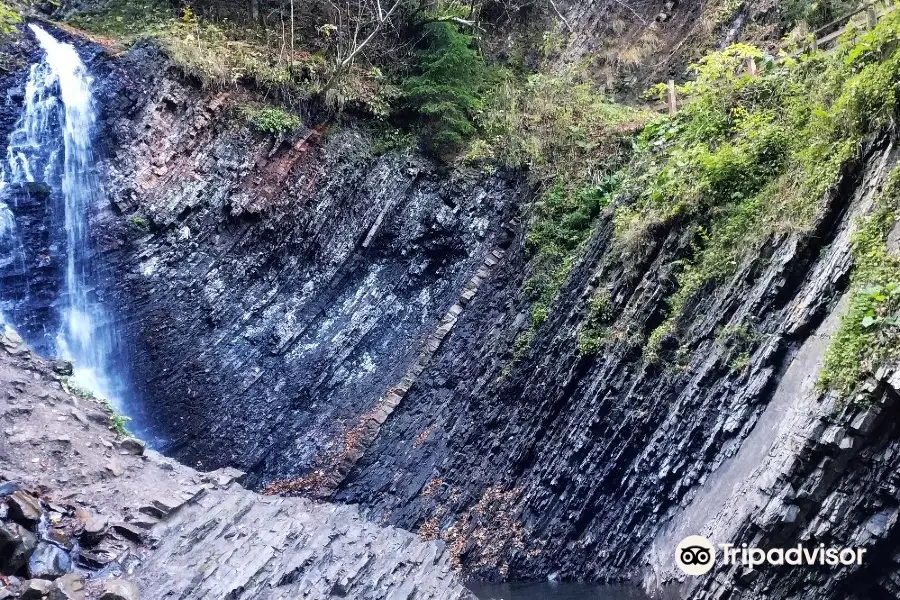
(305, 310)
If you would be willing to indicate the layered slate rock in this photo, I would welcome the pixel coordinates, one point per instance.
(270, 286)
(233, 544)
(572, 464)
(158, 529)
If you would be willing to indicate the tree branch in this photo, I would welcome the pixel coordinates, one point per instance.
(561, 17)
(451, 19)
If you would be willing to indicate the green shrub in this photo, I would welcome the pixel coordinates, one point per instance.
(593, 331)
(9, 18)
(393, 139)
(815, 13)
(270, 119)
(869, 332)
(447, 92)
(752, 157)
(139, 224)
(119, 422)
(559, 126)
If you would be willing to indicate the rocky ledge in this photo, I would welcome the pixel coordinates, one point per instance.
(87, 513)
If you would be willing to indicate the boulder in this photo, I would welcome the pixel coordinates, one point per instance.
(129, 532)
(63, 367)
(24, 508)
(16, 546)
(11, 341)
(68, 587)
(35, 589)
(119, 589)
(93, 527)
(115, 467)
(8, 487)
(133, 446)
(48, 561)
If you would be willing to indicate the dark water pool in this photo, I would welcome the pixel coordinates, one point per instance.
(548, 590)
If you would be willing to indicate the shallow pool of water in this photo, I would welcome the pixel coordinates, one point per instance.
(548, 590)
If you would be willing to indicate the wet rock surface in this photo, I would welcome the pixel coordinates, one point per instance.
(271, 283)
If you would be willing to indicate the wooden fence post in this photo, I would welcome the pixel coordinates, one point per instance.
(673, 100)
(871, 17)
(751, 67)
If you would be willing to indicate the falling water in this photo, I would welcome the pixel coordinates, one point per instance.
(51, 148)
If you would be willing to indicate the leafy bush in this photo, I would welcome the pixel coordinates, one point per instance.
(870, 329)
(9, 18)
(752, 157)
(558, 126)
(593, 331)
(270, 119)
(447, 93)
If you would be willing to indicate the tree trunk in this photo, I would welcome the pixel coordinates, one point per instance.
(292, 33)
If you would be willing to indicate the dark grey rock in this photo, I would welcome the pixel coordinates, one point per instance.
(24, 508)
(48, 561)
(35, 589)
(132, 446)
(68, 587)
(63, 367)
(16, 545)
(94, 528)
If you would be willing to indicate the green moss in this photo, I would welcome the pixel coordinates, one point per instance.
(522, 344)
(594, 330)
(869, 333)
(270, 119)
(139, 224)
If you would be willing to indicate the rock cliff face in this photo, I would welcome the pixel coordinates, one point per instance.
(271, 287)
(574, 465)
(308, 311)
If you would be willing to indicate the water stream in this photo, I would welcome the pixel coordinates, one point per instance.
(50, 158)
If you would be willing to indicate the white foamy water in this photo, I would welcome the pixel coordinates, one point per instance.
(51, 147)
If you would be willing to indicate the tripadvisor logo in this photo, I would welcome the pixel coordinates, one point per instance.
(696, 555)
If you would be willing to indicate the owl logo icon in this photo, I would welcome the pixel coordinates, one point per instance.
(695, 555)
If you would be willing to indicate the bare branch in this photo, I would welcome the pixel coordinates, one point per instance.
(561, 17)
(451, 19)
(634, 12)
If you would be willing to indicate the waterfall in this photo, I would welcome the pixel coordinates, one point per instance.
(50, 155)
